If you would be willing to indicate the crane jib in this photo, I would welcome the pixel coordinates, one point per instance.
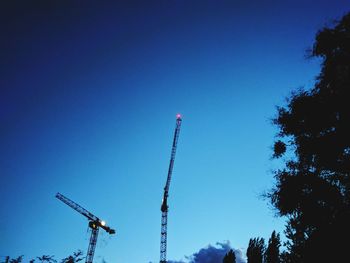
(77, 207)
(94, 223)
(92, 218)
(173, 153)
(164, 207)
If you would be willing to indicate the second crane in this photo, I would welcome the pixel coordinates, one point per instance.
(164, 207)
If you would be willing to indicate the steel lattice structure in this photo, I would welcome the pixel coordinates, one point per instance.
(164, 207)
(94, 223)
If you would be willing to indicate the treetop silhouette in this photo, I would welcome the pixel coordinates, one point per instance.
(313, 188)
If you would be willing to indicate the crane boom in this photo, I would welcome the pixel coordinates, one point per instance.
(84, 212)
(164, 207)
(94, 223)
(77, 207)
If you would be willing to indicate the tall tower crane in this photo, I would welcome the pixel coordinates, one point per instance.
(164, 207)
(94, 223)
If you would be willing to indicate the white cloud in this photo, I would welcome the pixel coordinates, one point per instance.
(213, 254)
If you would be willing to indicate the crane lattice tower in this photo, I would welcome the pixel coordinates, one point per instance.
(164, 207)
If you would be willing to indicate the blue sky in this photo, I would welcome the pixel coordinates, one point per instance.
(89, 94)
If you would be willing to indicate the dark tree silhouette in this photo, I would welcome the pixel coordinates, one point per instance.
(76, 257)
(230, 257)
(256, 250)
(13, 260)
(285, 257)
(272, 253)
(47, 258)
(313, 189)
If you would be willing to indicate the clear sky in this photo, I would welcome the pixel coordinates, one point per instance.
(89, 94)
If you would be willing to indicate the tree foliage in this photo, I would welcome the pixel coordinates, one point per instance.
(46, 258)
(230, 257)
(272, 253)
(75, 257)
(13, 260)
(256, 250)
(313, 189)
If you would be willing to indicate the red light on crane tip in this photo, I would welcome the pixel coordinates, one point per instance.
(178, 116)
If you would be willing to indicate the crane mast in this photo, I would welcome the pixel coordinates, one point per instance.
(164, 207)
(94, 223)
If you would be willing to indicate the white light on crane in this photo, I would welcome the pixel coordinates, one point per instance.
(103, 223)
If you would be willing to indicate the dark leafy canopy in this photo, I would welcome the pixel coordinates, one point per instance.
(272, 253)
(256, 250)
(313, 190)
(46, 258)
(76, 257)
(13, 260)
(230, 257)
